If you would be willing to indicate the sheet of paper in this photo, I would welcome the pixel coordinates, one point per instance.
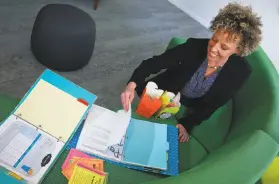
(26, 151)
(73, 153)
(50, 108)
(103, 128)
(94, 164)
(83, 175)
(114, 152)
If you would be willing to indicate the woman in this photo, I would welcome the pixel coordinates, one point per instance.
(207, 72)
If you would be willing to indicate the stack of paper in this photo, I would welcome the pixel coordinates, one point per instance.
(78, 167)
(104, 128)
(136, 142)
(85, 175)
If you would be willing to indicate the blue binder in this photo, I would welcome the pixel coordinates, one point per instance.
(172, 158)
(5, 178)
(146, 144)
(26, 166)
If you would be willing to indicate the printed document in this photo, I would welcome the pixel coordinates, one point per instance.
(103, 128)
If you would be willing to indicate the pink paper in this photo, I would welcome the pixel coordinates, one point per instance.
(73, 153)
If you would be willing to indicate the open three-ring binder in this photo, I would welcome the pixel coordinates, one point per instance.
(140, 143)
(38, 129)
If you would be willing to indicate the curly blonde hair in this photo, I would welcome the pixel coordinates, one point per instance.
(240, 21)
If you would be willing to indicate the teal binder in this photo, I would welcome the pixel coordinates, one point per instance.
(5, 178)
(146, 144)
(39, 128)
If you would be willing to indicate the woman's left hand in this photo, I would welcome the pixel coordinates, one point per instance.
(183, 134)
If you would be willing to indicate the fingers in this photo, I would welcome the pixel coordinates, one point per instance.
(126, 98)
(188, 138)
(184, 138)
(180, 135)
(126, 101)
(183, 135)
(123, 101)
(131, 98)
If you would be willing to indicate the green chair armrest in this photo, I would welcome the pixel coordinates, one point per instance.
(7, 105)
(243, 160)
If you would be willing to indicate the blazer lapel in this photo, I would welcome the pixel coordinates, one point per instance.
(222, 82)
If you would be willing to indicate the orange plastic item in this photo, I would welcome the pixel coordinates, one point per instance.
(147, 105)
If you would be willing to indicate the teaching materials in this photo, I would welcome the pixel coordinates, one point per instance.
(143, 143)
(92, 163)
(65, 110)
(105, 128)
(38, 129)
(97, 164)
(78, 158)
(73, 153)
(82, 174)
(172, 162)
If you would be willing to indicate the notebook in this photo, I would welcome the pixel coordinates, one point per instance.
(172, 162)
(142, 143)
(38, 129)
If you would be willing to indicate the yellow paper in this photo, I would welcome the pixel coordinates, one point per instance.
(52, 110)
(85, 176)
(90, 163)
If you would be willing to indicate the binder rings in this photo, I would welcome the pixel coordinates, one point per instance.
(38, 129)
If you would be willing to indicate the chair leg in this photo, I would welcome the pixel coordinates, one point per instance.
(95, 4)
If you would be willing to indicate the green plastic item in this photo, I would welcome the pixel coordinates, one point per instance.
(236, 145)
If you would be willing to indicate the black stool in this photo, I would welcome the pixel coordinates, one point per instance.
(63, 37)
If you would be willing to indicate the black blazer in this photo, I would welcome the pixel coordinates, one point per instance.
(180, 63)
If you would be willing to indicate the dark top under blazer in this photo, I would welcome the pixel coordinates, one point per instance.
(180, 63)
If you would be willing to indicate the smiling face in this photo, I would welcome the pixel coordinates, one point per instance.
(221, 46)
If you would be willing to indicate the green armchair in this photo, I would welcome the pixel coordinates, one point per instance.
(236, 145)
(240, 140)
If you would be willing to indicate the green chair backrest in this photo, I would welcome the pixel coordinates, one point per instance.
(175, 41)
(255, 107)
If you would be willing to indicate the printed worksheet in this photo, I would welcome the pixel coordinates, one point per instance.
(26, 150)
(113, 152)
(104, 128)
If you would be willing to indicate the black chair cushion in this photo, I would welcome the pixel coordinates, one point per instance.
(63, 37)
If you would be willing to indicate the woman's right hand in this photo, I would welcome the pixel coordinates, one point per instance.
(127, 95)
